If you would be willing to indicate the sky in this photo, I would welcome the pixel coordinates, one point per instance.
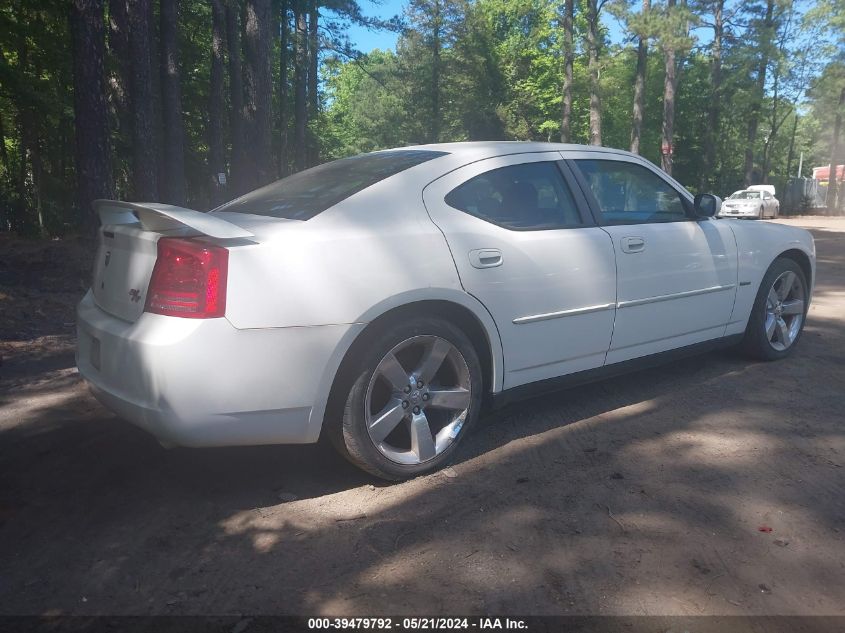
(365, 40)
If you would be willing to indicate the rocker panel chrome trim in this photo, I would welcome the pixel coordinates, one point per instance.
(675, 295)
(563, 313)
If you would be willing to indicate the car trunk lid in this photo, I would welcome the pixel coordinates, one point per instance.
(128, 247)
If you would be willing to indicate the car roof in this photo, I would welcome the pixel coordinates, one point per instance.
(475, 150)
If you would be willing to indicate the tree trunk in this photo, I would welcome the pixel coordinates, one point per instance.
(568, 51)
(668, 129)
(37, 180)
(669, 84)
(155, 85)
(639, 88)
(119, 50)
(284, 30)
(20, 182)
(217, 105)
(118, 40)
(593, 67)
(770, 139)
(26, 124)
(711, 132)
(236, 98)
(753, 119)
(436, 46)
(313, 95)
(4, 155)
(832, 187)
(791, 153)
(258, 82)
(300, 79)
(173, 182)
(144, 163)
(93, 177)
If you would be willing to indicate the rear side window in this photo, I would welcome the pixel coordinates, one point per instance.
(530, 196)
(628, 193)
(307, 193)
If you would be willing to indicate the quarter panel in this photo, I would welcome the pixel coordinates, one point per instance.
(758, 245)
(337, 266)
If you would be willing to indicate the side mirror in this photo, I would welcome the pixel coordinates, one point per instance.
(706, 205)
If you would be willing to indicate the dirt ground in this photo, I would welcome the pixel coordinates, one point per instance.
(645, 494)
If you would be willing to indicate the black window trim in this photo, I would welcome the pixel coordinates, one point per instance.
(593, 204)
(581, 204)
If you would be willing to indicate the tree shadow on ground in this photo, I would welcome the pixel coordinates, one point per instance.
(638, 494)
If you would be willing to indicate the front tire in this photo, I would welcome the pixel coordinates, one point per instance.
(410, 399)
(779, 312)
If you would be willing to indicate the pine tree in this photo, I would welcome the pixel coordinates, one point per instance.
(93, 175)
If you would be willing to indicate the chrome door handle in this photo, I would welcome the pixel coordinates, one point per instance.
(485, 257)
(633, 244)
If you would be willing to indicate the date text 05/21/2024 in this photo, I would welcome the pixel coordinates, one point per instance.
(417, 623)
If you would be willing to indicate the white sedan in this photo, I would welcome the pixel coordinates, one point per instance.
(757, 202)
(384, 299)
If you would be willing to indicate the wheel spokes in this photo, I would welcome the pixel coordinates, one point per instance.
(422, 442)
(771, 324)
(403, 392)
(795, 306)
(386, 420)
(393, 372)
(786, 282)
(783, 332)
(773, 299)
(456, 398)
(432, 359)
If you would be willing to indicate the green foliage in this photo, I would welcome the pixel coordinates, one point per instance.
(367, 106)
(462, 70)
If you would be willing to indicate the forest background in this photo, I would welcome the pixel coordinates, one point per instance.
(194, 102)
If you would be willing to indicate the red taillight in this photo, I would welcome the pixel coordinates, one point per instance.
(188, 280)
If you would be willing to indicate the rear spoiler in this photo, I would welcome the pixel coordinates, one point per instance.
(162, 217)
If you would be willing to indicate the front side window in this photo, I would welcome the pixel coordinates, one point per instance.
(307, 193)
(530, 196)
(628, 193)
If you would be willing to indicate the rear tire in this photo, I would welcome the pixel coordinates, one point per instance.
(410, 399)
(779, 312)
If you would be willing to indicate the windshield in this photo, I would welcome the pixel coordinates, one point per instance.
(307, 193)
(745, 195)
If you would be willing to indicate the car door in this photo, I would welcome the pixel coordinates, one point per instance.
(676, 276)
(525, 245)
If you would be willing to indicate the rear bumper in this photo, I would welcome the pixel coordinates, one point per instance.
(202, 382)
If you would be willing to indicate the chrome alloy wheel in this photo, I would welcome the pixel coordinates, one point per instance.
(785, 310)
(417, 399)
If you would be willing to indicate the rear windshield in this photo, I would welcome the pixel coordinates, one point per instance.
(309, 192)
